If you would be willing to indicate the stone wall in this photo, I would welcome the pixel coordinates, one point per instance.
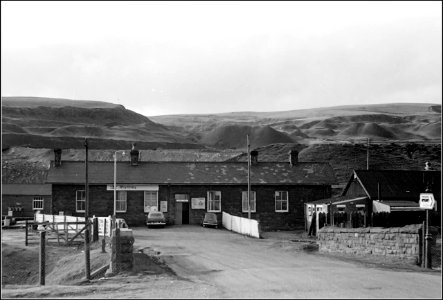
(395, 242)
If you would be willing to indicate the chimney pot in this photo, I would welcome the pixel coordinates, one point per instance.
(57, 157)
(427, 166)
(254, 157)
(134, 155)
(293, 157)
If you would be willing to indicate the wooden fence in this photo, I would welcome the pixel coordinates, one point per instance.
(241, 225)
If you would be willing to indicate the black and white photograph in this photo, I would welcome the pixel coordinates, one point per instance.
(221, 149)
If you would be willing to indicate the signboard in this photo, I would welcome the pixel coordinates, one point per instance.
(132, 187)
(164, 206)
(198, 203)
(427, 201)
(182, 200)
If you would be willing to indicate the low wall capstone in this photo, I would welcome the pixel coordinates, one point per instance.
(396, 242)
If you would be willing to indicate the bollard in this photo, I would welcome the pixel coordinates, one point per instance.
(42, 257)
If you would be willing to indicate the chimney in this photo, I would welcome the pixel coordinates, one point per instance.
(254, 157)
(293, 157)
(134, 155)
(428, 166)
(57, 157)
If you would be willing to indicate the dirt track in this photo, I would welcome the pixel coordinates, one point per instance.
(211, 263)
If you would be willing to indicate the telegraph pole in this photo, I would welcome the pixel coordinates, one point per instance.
(249, 178)
(87, 258)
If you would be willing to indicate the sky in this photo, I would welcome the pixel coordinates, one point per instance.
(159, 58)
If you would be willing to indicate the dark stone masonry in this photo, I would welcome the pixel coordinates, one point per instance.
(396, 242)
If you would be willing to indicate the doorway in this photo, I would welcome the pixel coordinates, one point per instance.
(185, 212)
(181, 209)
(181, 213)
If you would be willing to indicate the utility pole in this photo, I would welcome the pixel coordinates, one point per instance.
(249, 178)
(87, 258)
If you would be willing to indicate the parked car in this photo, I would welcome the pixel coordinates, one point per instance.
(156, 218)
(210, 219)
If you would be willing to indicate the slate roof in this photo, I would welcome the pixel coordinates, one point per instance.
(208, 173)
(396, 184)
(27, 189)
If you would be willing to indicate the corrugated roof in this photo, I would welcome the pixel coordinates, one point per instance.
(401, 203)
(26, 189)
(310, 173)
(397, 184)
(333, 200)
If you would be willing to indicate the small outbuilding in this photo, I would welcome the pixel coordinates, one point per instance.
(371, 195)
(24, 200)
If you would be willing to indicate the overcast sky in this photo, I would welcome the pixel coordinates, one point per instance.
(209, 57)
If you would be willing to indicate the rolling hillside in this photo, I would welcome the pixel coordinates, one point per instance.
(45, 122)
(383, 123)
(403, 136)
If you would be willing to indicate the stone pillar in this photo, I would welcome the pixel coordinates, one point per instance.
(122, 242)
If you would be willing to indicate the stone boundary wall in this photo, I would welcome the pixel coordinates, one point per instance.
(396, 242)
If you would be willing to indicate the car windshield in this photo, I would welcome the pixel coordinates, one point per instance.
(156, 215)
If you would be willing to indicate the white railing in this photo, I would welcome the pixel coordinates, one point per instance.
(104, 223)
(241, 225)
(60, 222)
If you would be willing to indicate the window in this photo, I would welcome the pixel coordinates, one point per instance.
(80, 202)
(281, 201)
(244, 196)
(214, 201)
(151, 200)
(120, 201)
(341, 208)
(37, 203)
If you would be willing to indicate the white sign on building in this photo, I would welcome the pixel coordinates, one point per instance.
(198, 203)
(132, 187)
(164, 206)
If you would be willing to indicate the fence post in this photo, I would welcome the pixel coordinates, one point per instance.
(87, 257)
(66, 229)
(95, 235)
(42, 257)
(26, 233)
(104, 236)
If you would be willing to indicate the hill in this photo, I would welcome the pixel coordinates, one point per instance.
(384, 122)
(234, 136)
(45, 122)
